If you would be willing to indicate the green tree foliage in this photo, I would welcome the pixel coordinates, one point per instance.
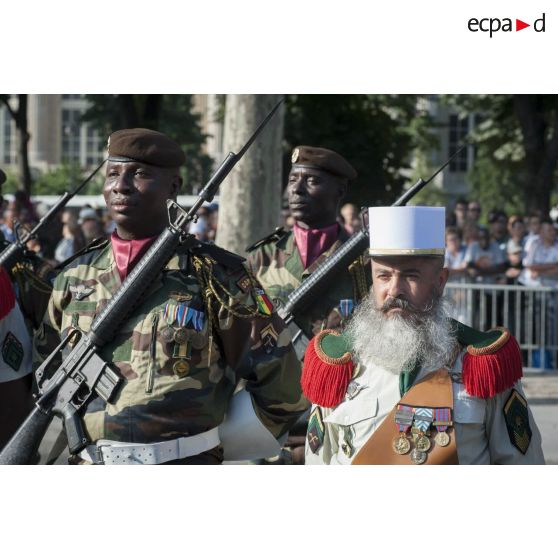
(169, 114)
(377, 134)
(516, 149)
(66, 178)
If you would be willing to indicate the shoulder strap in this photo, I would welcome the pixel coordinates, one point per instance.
(220, 255)
(95, 244)
(275, 236)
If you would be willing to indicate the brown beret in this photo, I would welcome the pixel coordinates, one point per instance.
(2, 177)
(323, 158)
(145, 146)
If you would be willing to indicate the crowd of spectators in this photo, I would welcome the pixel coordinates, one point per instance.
(509, 250)
(75, 227)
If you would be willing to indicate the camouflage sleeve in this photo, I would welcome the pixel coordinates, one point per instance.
(48, 334)
(253, 260)
(258, 348)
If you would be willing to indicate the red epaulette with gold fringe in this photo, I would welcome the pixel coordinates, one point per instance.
(492, 362)
(327, 369)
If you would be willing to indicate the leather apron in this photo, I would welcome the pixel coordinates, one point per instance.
(434, 390)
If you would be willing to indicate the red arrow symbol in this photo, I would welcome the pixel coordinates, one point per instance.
(519, 25)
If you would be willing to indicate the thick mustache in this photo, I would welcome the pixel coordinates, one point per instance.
(400, 303)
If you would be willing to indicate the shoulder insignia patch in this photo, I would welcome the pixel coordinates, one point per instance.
(12, 351)
(273, 237)
(265, 308)
(315, 433)
(244, 284)
(517, 421)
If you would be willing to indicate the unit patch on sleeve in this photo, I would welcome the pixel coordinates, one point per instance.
(12, 351)
(517, 421)
(315, 435)
(244, 284)
(269, 338)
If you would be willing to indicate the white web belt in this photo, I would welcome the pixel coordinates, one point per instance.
(108, 452)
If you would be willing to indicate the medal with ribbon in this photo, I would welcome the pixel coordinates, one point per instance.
(180, 314)
(423, 419)
(346, 306)
(442, 422)
(403, 419)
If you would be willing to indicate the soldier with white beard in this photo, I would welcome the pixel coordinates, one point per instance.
(407, 384)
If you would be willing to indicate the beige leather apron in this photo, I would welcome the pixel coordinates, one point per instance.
(434, 390)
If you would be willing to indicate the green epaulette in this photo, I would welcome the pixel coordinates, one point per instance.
(276, 235)
(474, 339)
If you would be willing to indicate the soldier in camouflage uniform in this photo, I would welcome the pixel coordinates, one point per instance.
(317, 182)
(203, 326)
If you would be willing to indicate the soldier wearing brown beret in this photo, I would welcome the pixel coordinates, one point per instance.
(184, 348)
(317, 182)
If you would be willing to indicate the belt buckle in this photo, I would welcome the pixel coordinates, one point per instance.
(99, 454)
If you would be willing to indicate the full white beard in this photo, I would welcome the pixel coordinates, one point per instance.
(396, 343)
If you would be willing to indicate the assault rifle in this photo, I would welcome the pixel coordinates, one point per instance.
(83, 372)
(325, 273)
(13, 253)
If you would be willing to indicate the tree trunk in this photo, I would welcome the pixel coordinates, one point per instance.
(250, 204)
(23, 143)
(540, 142)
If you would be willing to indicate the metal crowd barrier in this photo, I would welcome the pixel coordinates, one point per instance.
(530, 313)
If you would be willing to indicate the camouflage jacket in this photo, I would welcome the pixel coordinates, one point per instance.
(276, 262)
(174, 389)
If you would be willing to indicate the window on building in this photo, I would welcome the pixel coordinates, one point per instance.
(93, 147)
(458, 130)
(71, 136)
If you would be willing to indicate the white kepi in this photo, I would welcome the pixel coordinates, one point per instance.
(407, 231)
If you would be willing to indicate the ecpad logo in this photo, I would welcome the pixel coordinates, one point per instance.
(492, 25)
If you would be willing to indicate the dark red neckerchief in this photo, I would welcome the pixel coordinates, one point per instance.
(128, 252)
(311, 243)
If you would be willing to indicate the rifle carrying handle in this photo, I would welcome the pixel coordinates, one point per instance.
(23, 445)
